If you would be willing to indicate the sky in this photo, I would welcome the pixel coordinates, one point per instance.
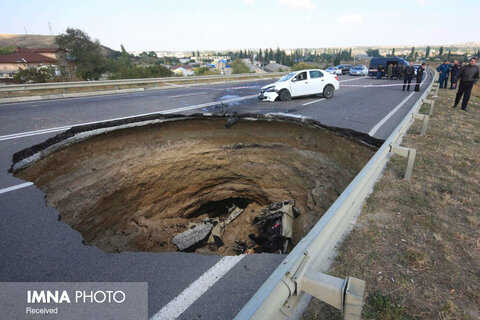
(238, 24)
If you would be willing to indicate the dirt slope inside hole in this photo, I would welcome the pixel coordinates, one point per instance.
(135, 189)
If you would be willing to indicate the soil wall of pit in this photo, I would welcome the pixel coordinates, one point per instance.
(134, 189)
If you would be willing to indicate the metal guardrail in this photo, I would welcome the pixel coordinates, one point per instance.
(300, 271)
(85, 84)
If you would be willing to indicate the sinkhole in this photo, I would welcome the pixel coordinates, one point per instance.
(133, 185)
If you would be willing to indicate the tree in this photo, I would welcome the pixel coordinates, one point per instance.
(87, 53)
(373, 53)
(336, 60)
(239, 67)
(278, 56)
(440, 52)
(260, 56)
(393, 52)
(427, 52)
(412, 53)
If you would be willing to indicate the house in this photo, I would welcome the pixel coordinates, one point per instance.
(219, 64)
(23, 58)
(183, 70)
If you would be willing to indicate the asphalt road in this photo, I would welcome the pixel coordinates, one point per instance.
(35, 246)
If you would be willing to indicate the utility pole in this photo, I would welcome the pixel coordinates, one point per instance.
(50, 28)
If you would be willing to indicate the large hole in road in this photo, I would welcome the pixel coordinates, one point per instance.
(135, 188)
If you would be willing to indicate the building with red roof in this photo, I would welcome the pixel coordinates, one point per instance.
(22, 58)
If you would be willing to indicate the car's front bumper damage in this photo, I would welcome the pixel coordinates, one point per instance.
(268, 96)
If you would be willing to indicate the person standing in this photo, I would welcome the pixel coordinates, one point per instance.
(408, 75)
(400, 72)
(389, 71)
(419, 77)
(444, 70)
(379, 71)
(454, 73)
(468, 76)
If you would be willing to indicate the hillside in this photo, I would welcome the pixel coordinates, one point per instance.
(34, 41)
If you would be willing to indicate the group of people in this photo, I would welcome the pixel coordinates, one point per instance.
(392, 71)
(468, 75)
(410, 74)
(447, 69)
(405, 73)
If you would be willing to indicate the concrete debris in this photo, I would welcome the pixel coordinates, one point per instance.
(219, 228)
(192, 236)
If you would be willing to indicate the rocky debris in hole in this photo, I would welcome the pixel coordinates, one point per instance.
(275, 227)
(219, 228)
(192, 236)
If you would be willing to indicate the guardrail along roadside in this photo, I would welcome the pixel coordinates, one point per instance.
(58, 90)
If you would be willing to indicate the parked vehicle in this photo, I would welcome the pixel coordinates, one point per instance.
(416, 66)
(345, 68)
(301, 83)
(375, 62)
(361, 70)
(334, 70)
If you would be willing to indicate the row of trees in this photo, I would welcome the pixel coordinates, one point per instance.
(333, 56)
(415, 54)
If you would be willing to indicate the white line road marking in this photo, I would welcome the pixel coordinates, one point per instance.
(195, 290)
(389, 115)
(18, 186)
(57, 129)
(306, 104)
(186, 95)
(353, 79)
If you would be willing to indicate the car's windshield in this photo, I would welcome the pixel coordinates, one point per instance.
(358, 68)
(287, 76)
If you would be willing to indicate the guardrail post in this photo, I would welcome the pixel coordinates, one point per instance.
(408, 153)
(345, 295)
(431, 102)
(424, 118)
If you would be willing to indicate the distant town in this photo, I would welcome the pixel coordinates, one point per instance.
(75, 56)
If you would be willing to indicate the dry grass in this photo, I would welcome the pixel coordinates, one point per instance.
(417, 243)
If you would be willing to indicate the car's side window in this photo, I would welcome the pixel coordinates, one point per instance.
(315, 74)
(301, 76)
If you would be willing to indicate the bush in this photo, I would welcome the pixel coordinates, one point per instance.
(301, 66)
(205, 71)
(32, 74)
(132, 71)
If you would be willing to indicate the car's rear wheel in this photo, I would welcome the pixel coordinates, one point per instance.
(328, 91)
(285, 95)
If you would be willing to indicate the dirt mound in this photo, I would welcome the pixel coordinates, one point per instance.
(134, 189)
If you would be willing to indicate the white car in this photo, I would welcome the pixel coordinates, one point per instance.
(334, 70)
(359, 71)
(301, 83)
